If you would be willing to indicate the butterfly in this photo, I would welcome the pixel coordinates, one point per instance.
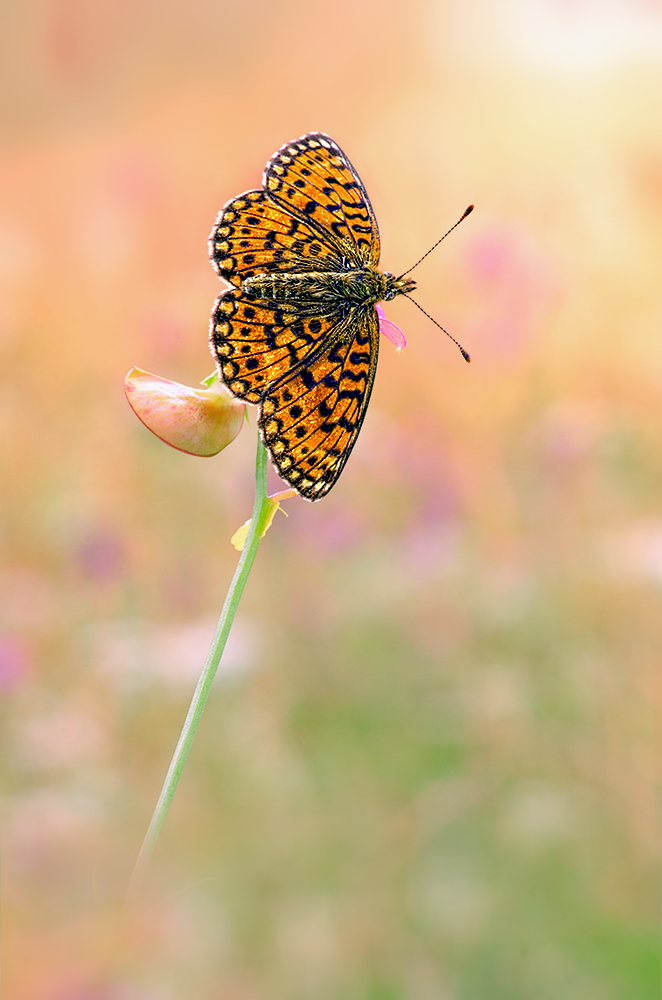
(297, 333)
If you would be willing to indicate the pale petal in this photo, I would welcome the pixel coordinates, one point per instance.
(198, 421)
(241, 534)
(391, 330)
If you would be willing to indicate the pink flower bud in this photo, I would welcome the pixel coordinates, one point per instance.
(197, 421)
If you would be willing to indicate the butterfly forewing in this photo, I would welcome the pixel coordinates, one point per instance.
(254, 235)
(311, 417)
(257, 342)
(313, 180)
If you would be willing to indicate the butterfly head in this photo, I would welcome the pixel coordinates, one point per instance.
(397, 286)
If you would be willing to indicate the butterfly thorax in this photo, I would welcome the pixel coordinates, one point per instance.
(357, 286)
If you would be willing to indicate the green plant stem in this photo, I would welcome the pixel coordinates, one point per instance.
(199, 699)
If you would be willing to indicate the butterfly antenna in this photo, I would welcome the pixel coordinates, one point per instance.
(465, 354)
(467, 212)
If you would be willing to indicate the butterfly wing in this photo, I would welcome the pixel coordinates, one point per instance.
(310, 419)
(256, 342)
(254, 235)
(313, 180)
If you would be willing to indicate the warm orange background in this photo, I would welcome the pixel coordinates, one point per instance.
(428, 769)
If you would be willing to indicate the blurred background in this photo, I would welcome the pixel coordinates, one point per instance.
(429, 766)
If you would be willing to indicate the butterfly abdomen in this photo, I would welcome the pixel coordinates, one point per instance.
(284, 287)
(359, 286)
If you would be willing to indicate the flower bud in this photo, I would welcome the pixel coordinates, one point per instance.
(197, 421)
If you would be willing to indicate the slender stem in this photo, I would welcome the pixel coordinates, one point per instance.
(201, 693)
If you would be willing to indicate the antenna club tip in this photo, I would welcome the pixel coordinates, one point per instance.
(468, 211)
(466, 355)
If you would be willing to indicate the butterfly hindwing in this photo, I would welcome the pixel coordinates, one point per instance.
(312, 179)
(311, 417)
(256, 342)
